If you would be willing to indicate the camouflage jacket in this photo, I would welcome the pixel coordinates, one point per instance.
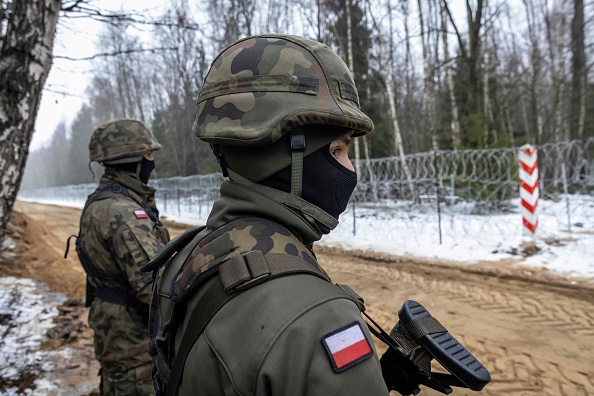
(118, 241)
(267, 340)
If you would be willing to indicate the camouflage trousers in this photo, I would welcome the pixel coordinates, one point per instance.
(136, 381)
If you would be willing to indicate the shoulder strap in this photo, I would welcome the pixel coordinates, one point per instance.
(170, 249)
(115, 188)
(210, 303)
(249, 269)
(237, 275)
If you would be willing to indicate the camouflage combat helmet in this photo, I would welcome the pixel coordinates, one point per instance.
(121, 140)
(261, 90)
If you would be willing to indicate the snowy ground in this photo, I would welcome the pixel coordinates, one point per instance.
(566, 244)
(27, 309)
(565, 234)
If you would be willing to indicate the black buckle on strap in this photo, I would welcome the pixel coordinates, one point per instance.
(297, 142)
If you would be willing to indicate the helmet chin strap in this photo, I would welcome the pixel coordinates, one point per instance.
(297, 150)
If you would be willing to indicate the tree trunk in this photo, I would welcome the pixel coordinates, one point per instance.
(456, 138)
(578, 93)
(507, 120)
(529, 135)
(556, 37)
(352, 69)
(474, 29)
(536, 83)
(487, 107)
(470, 50)
(386, 76)
(25, 61)
(428, 79)
(408, 106)
(370, 172)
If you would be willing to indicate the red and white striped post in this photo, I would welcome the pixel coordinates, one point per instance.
(529, 189)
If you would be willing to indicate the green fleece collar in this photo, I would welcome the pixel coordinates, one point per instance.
(130, 180)
(238, 200)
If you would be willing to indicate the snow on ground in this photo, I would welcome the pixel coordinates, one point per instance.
(469, 234)
(566, 245)
(27, 309)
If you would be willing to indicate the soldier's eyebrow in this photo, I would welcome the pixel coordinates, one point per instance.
(346, 139)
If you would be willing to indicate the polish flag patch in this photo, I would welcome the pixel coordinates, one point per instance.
(347, 347)
(140, 214)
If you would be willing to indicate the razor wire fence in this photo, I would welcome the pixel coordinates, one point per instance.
(450, 196)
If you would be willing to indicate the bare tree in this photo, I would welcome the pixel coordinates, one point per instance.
(470, 52)
(408, 123)
(578, 92)
(183, 72)
(25, 61)
(314, 15)
(352, 69)
(536, 82)
(456, 135)
(556, 23)
(387, 76)
(429, 77)
(231, 19)
(487, 74)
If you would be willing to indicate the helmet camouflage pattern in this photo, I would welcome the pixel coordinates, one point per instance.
(261, 87)
(121, 140)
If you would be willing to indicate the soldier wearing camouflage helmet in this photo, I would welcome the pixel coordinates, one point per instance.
(241, 306)
(120, 231)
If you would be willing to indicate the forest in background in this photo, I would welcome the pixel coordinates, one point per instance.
(491, 74)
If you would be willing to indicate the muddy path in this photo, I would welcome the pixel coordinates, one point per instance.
(533, 330)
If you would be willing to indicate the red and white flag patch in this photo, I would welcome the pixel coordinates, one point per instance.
(140, 214)
(347, 347)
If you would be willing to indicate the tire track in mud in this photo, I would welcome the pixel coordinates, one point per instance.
(539, 342)
(563, 313)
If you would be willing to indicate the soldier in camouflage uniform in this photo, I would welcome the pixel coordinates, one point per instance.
(279, 113)
(120, 231)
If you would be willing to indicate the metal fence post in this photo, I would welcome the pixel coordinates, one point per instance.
(437, 184)
(566, 192)
(354, 219)
(178, 203)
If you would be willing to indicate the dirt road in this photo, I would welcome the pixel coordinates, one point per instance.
(534, 331)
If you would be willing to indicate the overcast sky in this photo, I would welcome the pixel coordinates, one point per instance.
(64, 89)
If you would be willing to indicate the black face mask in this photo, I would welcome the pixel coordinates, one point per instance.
(146, 168)
(326, 183)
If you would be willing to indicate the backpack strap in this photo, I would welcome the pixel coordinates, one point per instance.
(237, 275)
(210, 303)
(170, 249)
(115, 188)
(249, 269)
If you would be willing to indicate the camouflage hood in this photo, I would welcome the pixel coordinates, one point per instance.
(132, 182)
(238, 201)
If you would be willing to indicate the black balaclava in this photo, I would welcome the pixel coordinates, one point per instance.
(326, 183)
(146, 168)
(143, 168)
